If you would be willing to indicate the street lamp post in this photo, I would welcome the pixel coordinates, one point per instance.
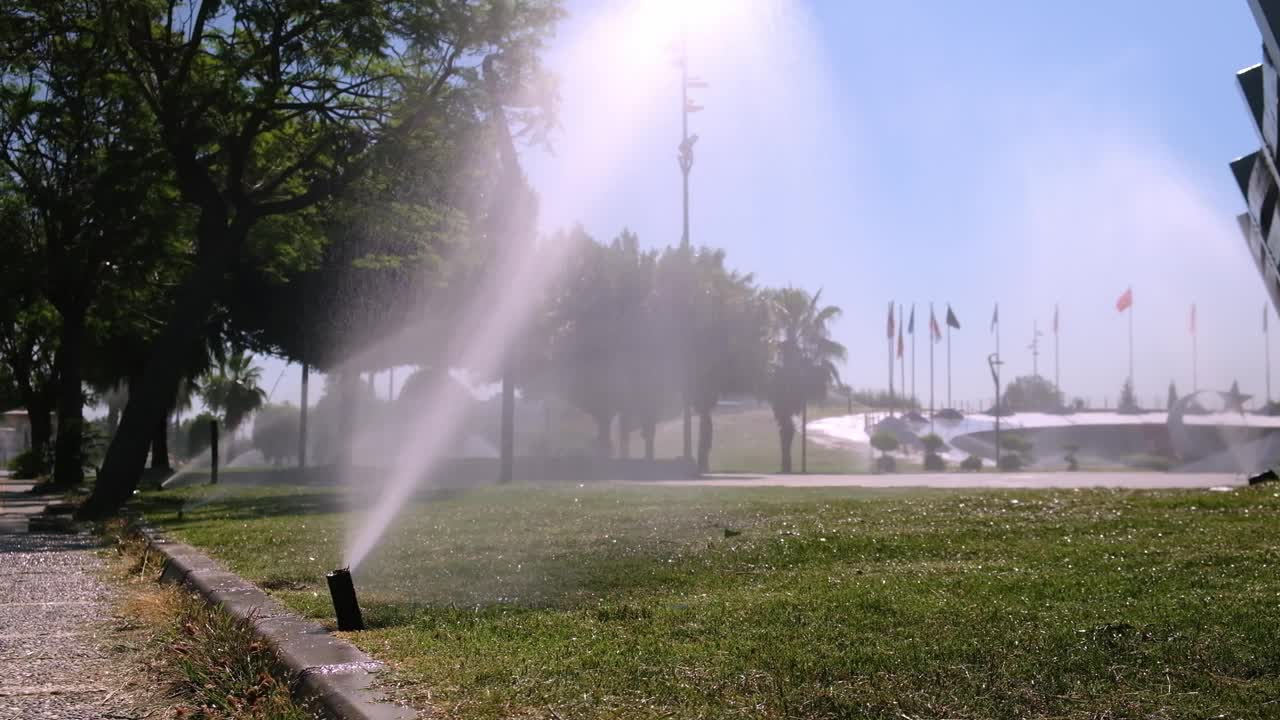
(685, 159)
(994, 362)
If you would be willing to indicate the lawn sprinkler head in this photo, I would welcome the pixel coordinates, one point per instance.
(343, 592)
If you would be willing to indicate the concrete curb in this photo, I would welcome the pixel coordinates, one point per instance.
(331, 671)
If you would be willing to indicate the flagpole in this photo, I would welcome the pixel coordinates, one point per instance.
(902, 363)
(913, 350)
(1057, 385)
(1132, 385)
(949, 365)
(891, 403)
(932, 342)
(1195, 359)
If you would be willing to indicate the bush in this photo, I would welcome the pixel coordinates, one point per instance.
(1072, 463)
(1011, 462)
(932, 443)
(275, 432)
(886, 464)
(29, 465)
(198, 433)
(933, 462)
(885, 442)
(973, 463)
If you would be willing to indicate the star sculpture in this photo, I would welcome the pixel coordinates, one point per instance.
(1234, 399)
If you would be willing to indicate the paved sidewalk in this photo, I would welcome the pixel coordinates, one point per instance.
(54, 611)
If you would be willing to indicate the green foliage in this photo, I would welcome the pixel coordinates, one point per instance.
(1012, 462)
(973, 463)
(932, 443)
(199, 433)
(232, 391)
(275, 432)
(934, 462)
(881, 399)
(1073, 464)
(884, 441)
(1031, 393)
(31, 464)
(1128, 401)
(886, 464)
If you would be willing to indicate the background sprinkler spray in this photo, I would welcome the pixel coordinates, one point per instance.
(343, 592)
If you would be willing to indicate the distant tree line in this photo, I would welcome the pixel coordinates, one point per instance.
(185, 184)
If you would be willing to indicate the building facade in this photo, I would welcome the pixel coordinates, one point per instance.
(1256, 172)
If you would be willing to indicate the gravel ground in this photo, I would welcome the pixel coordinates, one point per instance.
(59, 641)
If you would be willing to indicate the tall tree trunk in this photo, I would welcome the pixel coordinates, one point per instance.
(302, 420)
(604, 446)
(68, 465)
(160, 446)
(149, 402)
(39, 414)
(508, 430)
(624, 437)
(786, 433)
(648, 430)
(704, 441)
(804, 438)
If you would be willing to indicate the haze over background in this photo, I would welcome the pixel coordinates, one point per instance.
(1030, 153)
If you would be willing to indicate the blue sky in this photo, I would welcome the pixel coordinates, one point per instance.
(1028, 153)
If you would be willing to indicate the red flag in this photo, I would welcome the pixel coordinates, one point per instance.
(1125, 301)
(1193, 318)
(933, 326)
(1055, 319)
(891, 333)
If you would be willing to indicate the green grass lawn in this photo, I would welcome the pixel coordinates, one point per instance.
(747, 441)
(642, 602)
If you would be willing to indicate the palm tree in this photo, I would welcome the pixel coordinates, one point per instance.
(232, 391)
(804, 359)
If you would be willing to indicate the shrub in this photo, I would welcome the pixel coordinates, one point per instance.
(934, 462)
(1011, 462)
(1072, 463)
(198, 433)
(29, 465)
(932, 443)
(885, 442)
(973, 463)
(886, 464)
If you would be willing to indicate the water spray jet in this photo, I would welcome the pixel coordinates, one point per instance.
(345, 606)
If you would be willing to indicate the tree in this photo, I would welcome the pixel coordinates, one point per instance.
(729, 343)
(1173, 396)
(232, 390)
(275, 432)
(597, 313)
(933, 444)
(803, 358)
(1128, 401)
(78, 146)
(1032, 393)
(280, 125)
(886, 442)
